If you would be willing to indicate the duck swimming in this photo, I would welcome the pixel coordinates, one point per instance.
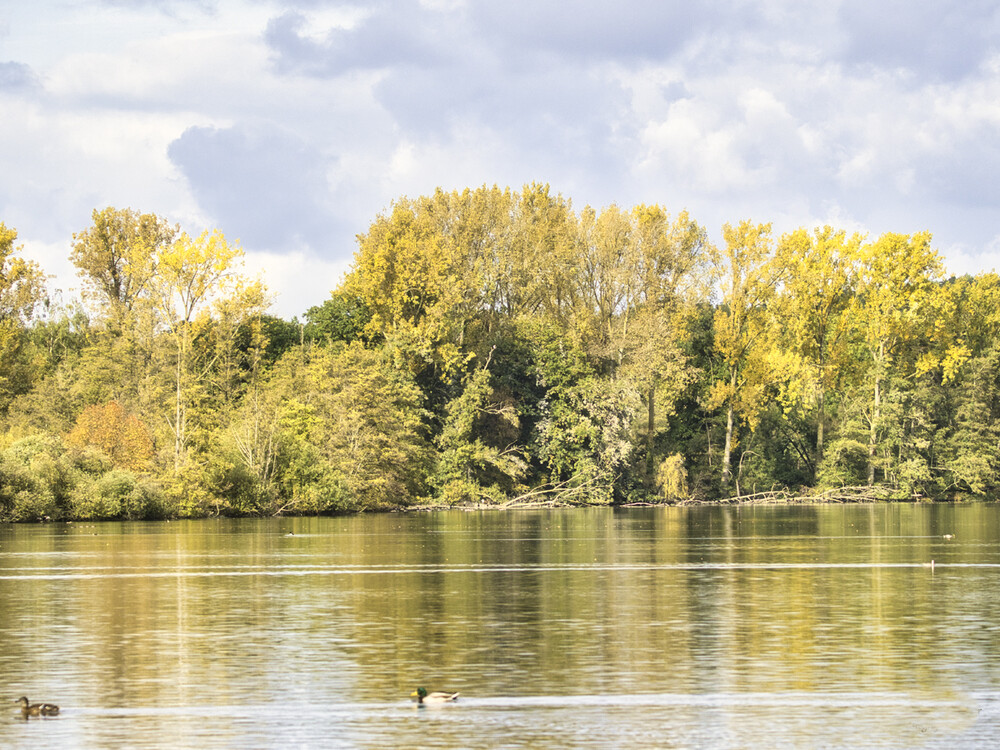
(37, 709)
(424, 697)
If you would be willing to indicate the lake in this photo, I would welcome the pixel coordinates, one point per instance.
(695, 627)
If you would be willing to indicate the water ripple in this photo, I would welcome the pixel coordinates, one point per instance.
(97, 572)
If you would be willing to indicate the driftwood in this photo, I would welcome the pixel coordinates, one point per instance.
(863, 494)
(768, 497)
(557, 495)
(560, 494)
(563, 495)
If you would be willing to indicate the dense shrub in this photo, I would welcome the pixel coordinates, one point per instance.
(118, 494)
(23, 495)
(845, 464)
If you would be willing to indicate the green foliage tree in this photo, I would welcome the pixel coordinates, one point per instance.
(478, 458)
(583, 433)
(341, 429)
(343, 317)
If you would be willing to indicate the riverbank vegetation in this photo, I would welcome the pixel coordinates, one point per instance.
(495, 346)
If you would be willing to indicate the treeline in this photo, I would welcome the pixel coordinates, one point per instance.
(491, 346)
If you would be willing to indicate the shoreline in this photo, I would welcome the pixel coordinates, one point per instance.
(837, 496)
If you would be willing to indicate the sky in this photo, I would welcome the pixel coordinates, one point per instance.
(291, 125)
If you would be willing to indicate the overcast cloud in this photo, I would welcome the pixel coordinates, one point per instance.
(290, 125)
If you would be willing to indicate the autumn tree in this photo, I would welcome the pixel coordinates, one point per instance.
(608, 280)
(504, 245)
(749, 276)
(406, 277)
(939, 426)
(545, 254)
(812, 304)
(639, 272)
(191, 273)
(121, 436)
(116, 257)
(442, 275)
(674, 271)
(895, 281)
(21, 290)
(970, 370)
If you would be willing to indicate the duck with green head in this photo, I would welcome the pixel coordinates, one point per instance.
(36, 709)
(423, 697)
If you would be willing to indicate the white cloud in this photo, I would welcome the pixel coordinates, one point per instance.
(961, 260)
(297, 280)
(291, 124)
(53, 258)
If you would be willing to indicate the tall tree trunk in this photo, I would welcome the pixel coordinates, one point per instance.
(876, 417)
(820, 425)
(178, 411)
(650, 430)
(727, 451)
(730, 425)
(821, 405)
(820, 429)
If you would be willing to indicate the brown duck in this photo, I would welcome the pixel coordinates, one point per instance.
(37, 709)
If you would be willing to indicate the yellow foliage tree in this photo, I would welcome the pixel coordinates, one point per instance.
(812, 304)
(121, 436)
(749, 274)
(437, 272)
(407, 276)
(896, 283)
(21, 289)
(191, 273)
(116, 257)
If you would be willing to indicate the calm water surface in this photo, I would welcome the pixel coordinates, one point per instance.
(756, 627)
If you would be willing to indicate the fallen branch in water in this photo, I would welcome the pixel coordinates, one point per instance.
(755, 498)
(564, 495)
(862, 494)
(555, 495)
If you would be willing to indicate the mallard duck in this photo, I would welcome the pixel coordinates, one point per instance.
(37, 709)
(423, 696)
